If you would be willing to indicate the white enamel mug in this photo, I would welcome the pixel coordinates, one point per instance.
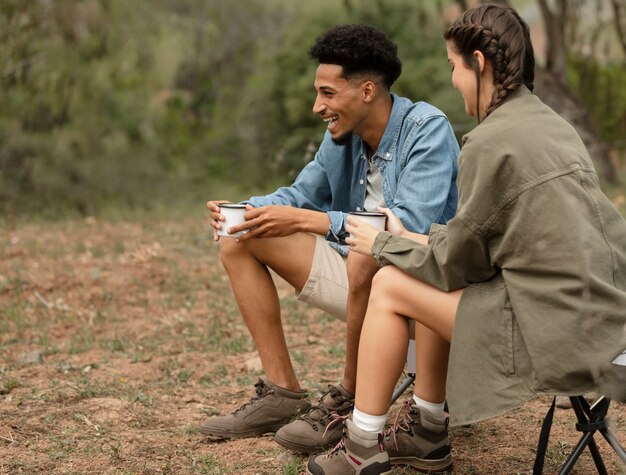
(233, 214)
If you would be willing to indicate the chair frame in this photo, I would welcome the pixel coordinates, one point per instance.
(591, 419)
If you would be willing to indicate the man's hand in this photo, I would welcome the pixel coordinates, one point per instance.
(277, 221)
(216, 217)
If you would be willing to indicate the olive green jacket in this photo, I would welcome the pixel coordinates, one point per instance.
(541, 253)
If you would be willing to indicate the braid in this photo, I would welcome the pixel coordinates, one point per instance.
(504, 39)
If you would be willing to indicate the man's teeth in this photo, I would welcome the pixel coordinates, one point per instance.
(330, 121)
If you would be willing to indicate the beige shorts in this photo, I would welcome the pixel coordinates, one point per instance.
(327, 285)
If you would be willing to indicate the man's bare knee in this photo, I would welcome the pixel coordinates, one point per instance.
(231, 250)
(289, 256)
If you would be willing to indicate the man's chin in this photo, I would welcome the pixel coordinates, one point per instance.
(343, 139)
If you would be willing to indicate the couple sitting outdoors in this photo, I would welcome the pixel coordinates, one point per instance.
(520, 289)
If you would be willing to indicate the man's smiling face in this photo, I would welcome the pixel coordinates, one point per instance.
(339, 102)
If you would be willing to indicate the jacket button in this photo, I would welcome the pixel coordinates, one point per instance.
(361, 182)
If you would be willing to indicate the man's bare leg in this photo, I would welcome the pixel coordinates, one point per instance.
(247, 265)
(361, 269)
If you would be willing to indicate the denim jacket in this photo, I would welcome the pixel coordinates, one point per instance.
(417, 158)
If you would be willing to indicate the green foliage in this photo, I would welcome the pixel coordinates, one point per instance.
(601, 87)
(110, 105)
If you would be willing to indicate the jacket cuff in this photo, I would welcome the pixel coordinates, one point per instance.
(437, 230)
(337, 229)
(379, 244)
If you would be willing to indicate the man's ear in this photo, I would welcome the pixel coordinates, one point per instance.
(368, 91)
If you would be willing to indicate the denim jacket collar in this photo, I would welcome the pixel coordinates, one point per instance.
(388, 142)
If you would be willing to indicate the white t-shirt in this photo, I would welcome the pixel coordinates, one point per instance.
(374, 191)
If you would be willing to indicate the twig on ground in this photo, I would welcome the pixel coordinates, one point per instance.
(9, 439)
(42, 299)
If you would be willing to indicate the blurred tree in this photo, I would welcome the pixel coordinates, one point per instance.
(552, 82)
(112, 105)
(553, 85)
(75, 93)
(619, 16)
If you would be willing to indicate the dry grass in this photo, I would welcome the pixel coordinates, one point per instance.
(118, 338)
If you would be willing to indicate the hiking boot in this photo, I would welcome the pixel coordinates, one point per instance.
(419, 439)
(358, 452)
(310, 432)
(271, 408)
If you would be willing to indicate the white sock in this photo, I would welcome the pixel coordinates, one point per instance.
(436, 409)
(367, 422)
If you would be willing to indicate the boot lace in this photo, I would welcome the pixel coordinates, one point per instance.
(341, 445)
(319, 413)
(401, 423)
(261, 390)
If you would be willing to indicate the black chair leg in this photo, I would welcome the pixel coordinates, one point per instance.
(591, 419)
(410, 379)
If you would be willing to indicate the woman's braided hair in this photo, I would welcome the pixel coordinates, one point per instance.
(503, 38)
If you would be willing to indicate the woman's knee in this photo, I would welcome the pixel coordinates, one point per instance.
(383, 293)
(385, 279)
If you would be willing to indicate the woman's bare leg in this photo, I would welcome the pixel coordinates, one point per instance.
(396, 296)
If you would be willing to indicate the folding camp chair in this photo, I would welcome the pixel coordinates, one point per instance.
(591, 419)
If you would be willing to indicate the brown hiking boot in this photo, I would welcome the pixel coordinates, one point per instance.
(358, 452)
(311, 432)
(419, 439)
(271, 408)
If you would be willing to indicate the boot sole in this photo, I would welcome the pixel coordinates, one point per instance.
(302, 448)
(218, 435)
(423, 465)
(381, 473)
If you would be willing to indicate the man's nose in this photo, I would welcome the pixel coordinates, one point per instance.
(318, 105)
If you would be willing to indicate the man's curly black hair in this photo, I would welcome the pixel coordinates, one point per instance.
(359, 49)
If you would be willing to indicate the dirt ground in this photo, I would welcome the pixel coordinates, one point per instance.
(118, 338)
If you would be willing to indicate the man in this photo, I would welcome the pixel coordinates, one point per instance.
(379, 149)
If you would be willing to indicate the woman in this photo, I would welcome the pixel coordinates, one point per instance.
(529, 276)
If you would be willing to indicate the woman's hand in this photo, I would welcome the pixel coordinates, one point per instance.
(394, 225)
(362, 236)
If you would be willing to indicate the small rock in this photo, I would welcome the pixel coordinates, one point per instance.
(254, 365)
(30, 357)
(210, 411)
(285, 457)
(563, 402)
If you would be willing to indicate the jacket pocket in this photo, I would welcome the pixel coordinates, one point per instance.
(509, 341)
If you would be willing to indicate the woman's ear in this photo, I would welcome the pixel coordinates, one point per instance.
(480, 59)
